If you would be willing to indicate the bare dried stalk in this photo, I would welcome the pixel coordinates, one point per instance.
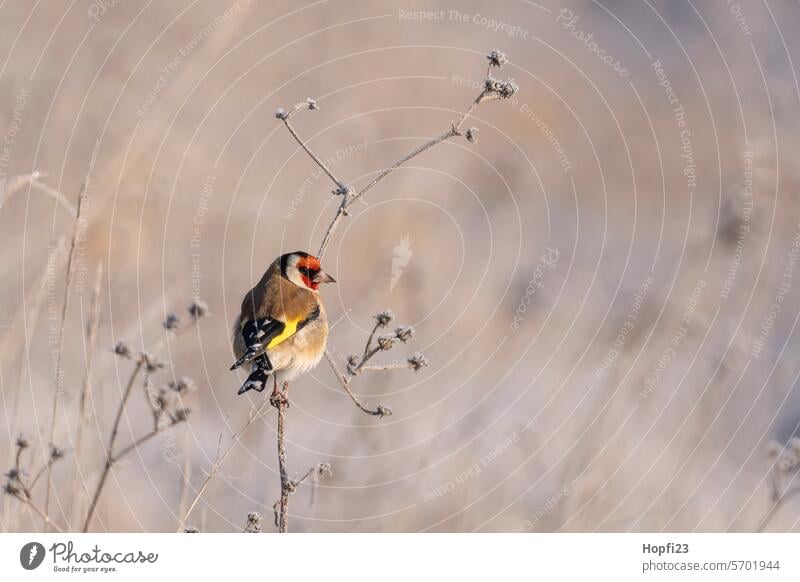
(111, 441)
(29, 502)
(280, 402)
(149, 363)
(344, 382)
(356, 365)
(30, 323)
(186, 478)
(60, 353)
(319, 469)
(349, 198)
(92, 328)
(339, 184)
(32, 179)
(255, 414)
(777, 503)
(16, 486)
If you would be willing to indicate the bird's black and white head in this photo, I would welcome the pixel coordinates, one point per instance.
(304, 270)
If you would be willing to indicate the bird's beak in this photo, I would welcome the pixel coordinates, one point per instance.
(323, 277)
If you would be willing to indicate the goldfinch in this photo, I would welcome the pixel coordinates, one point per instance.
(282, 328)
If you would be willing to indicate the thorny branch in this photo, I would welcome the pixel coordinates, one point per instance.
(492, 89)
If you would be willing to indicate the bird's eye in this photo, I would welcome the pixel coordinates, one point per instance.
(308, 272)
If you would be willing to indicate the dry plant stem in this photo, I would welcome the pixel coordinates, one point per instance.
(186, 477)
(112, 458)
(91, 341)
(254, 415)
(60, 353)
(48, 522)
(348, 198)
(23, 494)
(142, 440)
(776, 505)
(344, 382)
(280, 402)
(339, 184)
(32, 179)
(295, 483)
(452, 132)
(385, 367)
(31, 321)
(112, 440)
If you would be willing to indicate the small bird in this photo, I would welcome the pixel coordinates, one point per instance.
(282, 328)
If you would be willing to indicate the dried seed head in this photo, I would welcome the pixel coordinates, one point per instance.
(12, 487)
(191, 529)
(151, 362)
(785, 465)
(312, 104)
(253, 522)
(198, 309)
(497, 58)
(182, 414)
(404, 333)
(23, 442)
(385, 342)
(122, 350)
(163, 399)
(501, 89)
(182, 385)
(280, 113)
(343, 191)
(56, 453)
(384, 410)
(418, 361)
(384, 318)
(472, 134)
(172, 322)
(324, 470)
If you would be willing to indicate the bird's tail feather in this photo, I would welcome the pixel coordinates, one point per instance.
(257, 380)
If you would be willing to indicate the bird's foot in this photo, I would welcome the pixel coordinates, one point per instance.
(278, 398)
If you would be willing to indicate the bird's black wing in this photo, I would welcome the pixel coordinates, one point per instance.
(257, 333)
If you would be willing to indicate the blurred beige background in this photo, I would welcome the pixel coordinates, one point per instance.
(592, 281)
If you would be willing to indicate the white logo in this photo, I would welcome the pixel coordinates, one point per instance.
(401, 255)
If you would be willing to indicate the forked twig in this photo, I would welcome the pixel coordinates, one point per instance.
(149, 363)
(492, 89)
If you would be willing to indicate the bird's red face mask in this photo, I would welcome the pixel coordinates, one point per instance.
(311, 273)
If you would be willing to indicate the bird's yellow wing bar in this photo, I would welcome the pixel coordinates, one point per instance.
(289, 329)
